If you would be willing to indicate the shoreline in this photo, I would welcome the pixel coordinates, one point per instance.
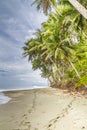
(20, 89)
(43, 109)
(5, 98)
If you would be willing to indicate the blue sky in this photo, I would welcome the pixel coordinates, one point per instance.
(18, 21)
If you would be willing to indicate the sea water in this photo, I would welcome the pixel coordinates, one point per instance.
(4, 99)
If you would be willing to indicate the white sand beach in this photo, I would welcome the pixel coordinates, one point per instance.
(43, 109)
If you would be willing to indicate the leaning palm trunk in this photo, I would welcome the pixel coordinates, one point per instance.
(79, 7)
(77, 73)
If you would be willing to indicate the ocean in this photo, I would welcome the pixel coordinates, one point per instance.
(5, 99)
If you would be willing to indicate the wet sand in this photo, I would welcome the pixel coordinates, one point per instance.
(43, 109)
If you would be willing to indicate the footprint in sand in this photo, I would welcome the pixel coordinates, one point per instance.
(83, 127)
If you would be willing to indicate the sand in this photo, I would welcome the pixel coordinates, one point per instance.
(44, 109)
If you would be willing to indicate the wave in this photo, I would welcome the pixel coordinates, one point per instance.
(4, 99)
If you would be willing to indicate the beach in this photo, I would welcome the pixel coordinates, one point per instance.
(43, 109)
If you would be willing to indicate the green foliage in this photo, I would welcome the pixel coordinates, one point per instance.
(82, 81)
(45, 5)
(35, 64)
(59, 49)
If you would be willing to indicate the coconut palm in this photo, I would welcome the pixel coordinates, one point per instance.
(47, 5)
(47, 51)
(53, 50)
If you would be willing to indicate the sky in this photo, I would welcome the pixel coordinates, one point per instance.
(18, 23)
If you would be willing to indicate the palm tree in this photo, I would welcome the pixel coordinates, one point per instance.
(53, 50)
(50, 47)
(47, 4)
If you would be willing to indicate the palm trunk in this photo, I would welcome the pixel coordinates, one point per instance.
(82, 10)
(74, 68)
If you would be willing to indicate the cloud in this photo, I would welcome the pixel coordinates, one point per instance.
(18, 22)
(20, 17)
(8, 50)
(19, 73)
(16, 75)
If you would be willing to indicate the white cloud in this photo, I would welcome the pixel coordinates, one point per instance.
(16, 67)
(23, 19)
(18, 22)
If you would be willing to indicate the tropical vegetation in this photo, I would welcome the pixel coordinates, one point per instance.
(59, 48)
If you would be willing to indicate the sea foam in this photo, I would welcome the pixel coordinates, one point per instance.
(4, 99)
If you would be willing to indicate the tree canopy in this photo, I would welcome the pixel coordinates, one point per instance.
(46, 5)
(59, 49)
